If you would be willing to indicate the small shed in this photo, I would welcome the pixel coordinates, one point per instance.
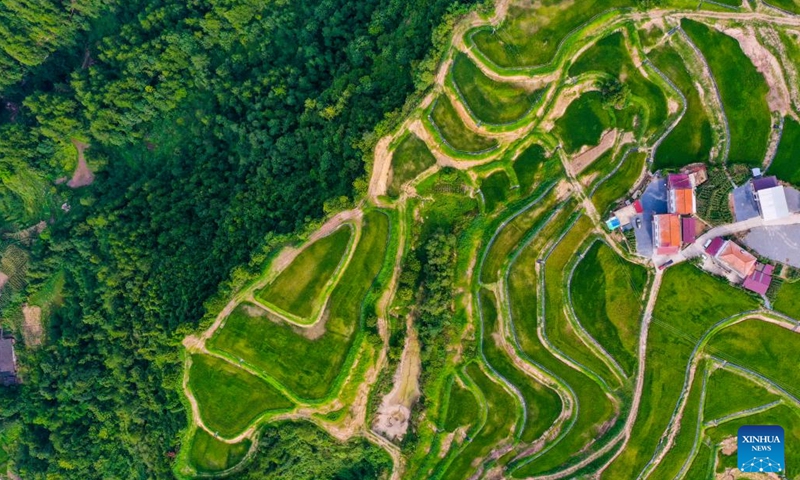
(8, 361)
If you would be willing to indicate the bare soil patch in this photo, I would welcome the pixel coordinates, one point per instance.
(729, 446)
(32, 325)
(585, 157)
(394, 413)
(82, 175)
(3, 280)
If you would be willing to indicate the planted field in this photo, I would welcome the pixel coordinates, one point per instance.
(558, 329)
(611, 55)
(729, 392)
(209, 455)
(496, 189)
(620, 183)
(691, 140)
(298, 289)
(410, 158)
(743, 90)
(788, 5)
(786, 165)
(513, 232)
(543, 406)
(500, 421)
(594, 407)
(491, 102)
(762, 348)
(454, 132)
(462, 408)
(306, 366)
(703, 464)
(532, 32)
(533, 166)
(607, 298)
(786, 300)
(689, 303)
(230, 398)
(584, 122)
(712, 198)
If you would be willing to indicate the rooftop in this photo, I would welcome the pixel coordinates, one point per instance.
(763, 183)
(7, 360)
(689, 228)
(772, 203)
(760, 280)
(679, 181)
(738, 259)
(681, 201)
(667, 238)
(714, 246)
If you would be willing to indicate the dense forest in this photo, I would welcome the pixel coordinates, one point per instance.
(213, 128)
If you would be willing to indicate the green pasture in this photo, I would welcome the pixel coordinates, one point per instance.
(543, 405)
(689, 303)
(533, 166)
(583, 122)
(595, 408)
(619, 184)
(230, 398)
(742, 88)
(558, 329)
(784, 415)
(500, 421)
(409, 159)
(496, 189)
(761, 347)
(491, 101)
(309, 367)
(786, 300)
(50, 294)
(607, 299)
(691, 140)
(611, 55)
(702, 466)
(531, 32)
(452, 129)
(513, 232)
(298, 288)
(790, 5)
(786, 165)
(209, 455)
(728, 392)
(690, 429)
(462, 408)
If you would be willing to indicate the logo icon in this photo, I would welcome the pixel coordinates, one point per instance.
(761, 449)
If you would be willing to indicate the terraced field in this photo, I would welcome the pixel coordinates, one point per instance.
(472, 315)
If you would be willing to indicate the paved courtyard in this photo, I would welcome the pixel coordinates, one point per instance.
(654, 202)
(780, 243)
(744, 205)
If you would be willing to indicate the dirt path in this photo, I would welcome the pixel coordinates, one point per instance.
(588, 155)
(82, 175)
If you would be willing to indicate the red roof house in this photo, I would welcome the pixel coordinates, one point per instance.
(760, 280)
(681, 194)
(667, 234)
(713, 247)
(689, 228)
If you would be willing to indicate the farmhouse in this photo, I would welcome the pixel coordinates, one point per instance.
(770, 198)
(736, 259)
(760, 280)
(625, 215)
(681, 194)
(667, 234)
(8, 361)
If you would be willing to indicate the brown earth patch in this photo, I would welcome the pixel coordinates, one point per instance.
(82, 175)
(586, 157)
(32, 325)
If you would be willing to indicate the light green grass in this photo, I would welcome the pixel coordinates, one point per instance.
(492, 102)
(619, 184)
(594, 406)
(689, 303)
(449, 124)
(790, 5)
(230, 398)
(762, 347)
(702, 466)
(729, 392)
(691, 140)
(543, 405)
(743, 90)
(786, 165)
(601, 166)
(583, 122)
(530, 35)
(409, 159)
(496, 190)
(298, 288)
(499, 422)
(209, 455)
(462, 409)
(786, 301)
(611, 55)
(309, 367)
(607, 298)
